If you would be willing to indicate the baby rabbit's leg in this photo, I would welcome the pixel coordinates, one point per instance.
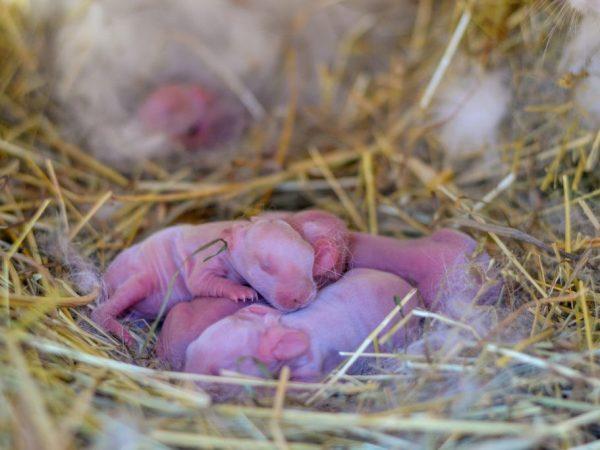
(131, 292)
(208, 279)
(212, 285)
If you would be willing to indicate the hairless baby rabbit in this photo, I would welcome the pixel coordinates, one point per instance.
(185, 322)
(187, 115)
(259, 337)
(442, 266)
(329, 237)
(258, 253)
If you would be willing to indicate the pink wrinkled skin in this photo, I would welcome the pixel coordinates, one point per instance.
(327, 234)
(185, 322)
(329, 237)
(189, 115)
(259, 338)
(258, 254)
(441, 266)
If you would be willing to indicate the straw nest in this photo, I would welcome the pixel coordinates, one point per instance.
(373, 161)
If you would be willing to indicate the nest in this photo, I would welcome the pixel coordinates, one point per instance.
(374, 161)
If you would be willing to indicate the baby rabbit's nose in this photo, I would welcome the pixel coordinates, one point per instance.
(294, 303)
(290, 304)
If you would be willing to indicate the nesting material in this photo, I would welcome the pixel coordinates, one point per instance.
(112, 60)
(581, 57)
(470, 108)
(112, 54)
(376, 167)
(586, 7)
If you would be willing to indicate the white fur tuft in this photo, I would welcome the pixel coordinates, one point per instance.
(83, 273)
(108, 55)
(123, 433)
(581, 56)
(586, 6)
(47, 10)
(472, 107)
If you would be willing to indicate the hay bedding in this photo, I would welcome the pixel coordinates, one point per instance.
(377, 162)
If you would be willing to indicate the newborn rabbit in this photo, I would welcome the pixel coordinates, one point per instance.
(258, 254)
(308, 341)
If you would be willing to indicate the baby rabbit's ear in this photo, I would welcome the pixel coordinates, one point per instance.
(326, 258)
(233, 234)
(282, 344)
(291, 344)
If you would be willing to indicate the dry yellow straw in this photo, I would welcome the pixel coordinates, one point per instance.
(93, 210)
(463, 23)
(368, 169)
(590, 214)
(339, 191)
(61, 200)
(42, 426)
(25, 300)
(567, 194)
(517, 264)
(565, 371)
(192, 440)
(587, 323)
(54, 350)
(17, 243)
(594, 155)
(278, 404)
